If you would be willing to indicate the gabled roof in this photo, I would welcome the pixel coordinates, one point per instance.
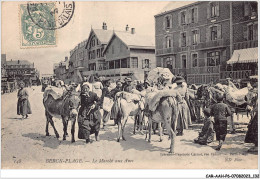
(174, 5)
(18, 62)
(136, 41)
(102, 35)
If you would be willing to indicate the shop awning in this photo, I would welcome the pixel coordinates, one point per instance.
(249, 55)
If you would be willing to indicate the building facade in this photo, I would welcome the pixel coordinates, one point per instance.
(3, 65)
(129, 55)
(22, 70)
(97, 42)
(60, 70)
(78, 62)
(196, 40)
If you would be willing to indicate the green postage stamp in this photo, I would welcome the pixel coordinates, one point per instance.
(32, 34)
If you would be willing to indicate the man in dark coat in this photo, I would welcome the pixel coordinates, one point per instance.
(89, 117)
(117, 89)
(127, 87)
(220, 111)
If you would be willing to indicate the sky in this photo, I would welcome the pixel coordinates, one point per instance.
(138, 15)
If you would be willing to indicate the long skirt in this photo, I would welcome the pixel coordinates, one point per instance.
(252, 133)
(207, 133)
(88, 124)
(221, 129)
(183, 118)
(23, 107)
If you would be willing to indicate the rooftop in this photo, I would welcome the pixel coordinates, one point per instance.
(18, 62)
(103, 35)
(135, 40)
(174, 5)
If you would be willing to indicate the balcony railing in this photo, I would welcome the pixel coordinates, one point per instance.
(167, 50)
(180, 71)
(242, 74)
(203, 70)
(246, 44)
(117, 71)
(210, 44)
(202, 45)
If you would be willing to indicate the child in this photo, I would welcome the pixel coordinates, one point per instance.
(220, 111)
(207, 133)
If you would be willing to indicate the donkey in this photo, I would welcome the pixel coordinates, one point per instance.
(65, 107)
(126, 109)
(166, 112)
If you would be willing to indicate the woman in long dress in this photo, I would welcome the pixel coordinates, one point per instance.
(23, 104)
(184, 117)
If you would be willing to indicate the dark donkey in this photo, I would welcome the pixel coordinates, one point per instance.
(65, 107)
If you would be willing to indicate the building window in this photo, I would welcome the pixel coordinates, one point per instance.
(194, 60)
(111, 65)
(250, 8)
(195, 37)
(168, 63)
(213, 33)
(102, 50)
(168, 22)
(146, 63)
(183, 39)
(93, 54)
(184, 61)
(98, 53)
(124, 63)
(213, 59)
(135, 62)
(251, 32)
(97, 42)
(168, 42)
(183, 17)
(117, 63)
(92, 43)
(192, 15)
(213, 9)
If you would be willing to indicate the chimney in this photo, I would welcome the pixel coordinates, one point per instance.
(18, 61)
(104, 27)
(66, 59)
(126, 28)
(132, 30)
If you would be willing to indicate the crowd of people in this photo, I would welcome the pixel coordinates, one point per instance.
(96, 94)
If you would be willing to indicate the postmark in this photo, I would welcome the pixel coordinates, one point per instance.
(50, 17)
(33, 36)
